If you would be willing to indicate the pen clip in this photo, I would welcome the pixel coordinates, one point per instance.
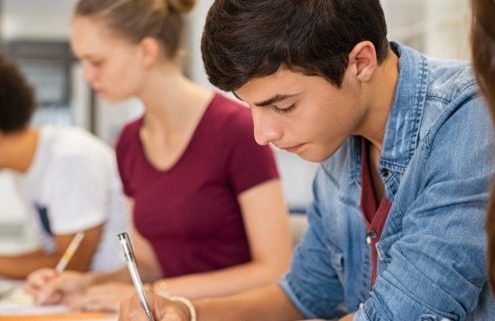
(126, 247)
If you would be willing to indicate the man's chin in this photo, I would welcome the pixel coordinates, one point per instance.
(313, 157)
(305, 152)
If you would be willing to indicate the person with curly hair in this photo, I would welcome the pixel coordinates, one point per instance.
(66, 178)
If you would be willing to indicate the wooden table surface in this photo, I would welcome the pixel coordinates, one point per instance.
(73, 316)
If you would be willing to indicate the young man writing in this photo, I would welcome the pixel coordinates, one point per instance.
(396, 225)
(67, 180)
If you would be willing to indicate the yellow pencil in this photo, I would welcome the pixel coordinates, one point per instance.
(69, 252)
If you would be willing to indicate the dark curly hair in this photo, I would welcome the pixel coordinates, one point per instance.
(17, 101)
(244, 39)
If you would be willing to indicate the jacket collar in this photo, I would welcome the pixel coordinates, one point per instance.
(403, 125)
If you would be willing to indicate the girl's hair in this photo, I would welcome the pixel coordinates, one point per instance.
(483, 52)
(137, 19)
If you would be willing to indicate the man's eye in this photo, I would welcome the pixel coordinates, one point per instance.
(283, 110)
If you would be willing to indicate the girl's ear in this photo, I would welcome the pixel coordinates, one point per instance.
(149, 51)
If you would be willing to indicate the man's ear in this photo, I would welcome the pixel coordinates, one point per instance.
(149, 51)
(363, 57)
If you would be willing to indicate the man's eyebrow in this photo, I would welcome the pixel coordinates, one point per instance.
(273, 100)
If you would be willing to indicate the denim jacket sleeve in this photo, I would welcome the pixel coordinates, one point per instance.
(436, 265)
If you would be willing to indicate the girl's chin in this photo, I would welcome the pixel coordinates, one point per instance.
(108, 98)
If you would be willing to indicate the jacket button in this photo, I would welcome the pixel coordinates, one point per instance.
(370, 236)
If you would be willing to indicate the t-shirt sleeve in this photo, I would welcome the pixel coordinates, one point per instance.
(249, 164)
(77, 197)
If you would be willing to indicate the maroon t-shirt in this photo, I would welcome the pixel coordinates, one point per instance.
(190, 213)
(375, 215)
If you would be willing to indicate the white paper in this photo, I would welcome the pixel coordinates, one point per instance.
(15, 301)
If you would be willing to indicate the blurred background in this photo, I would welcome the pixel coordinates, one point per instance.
(35, 34)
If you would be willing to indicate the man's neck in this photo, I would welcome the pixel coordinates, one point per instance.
(19, 149)
(382, 96)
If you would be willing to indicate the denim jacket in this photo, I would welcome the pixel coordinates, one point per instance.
(436, 164)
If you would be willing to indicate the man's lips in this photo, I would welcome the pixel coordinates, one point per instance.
(293, 149)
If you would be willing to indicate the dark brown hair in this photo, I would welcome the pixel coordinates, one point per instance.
(137, 19)
(253, 38)
(16, 98)
(483, 52)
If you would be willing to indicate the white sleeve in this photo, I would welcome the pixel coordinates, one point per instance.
(77, 192)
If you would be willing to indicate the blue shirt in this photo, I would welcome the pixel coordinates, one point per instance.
(436, 165)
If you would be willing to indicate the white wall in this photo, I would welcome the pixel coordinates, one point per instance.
(111, 117)
(450, 20)
(196, 21)
(47, 19)
(439, 28)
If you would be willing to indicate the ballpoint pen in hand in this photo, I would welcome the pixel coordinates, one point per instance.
(133, 270)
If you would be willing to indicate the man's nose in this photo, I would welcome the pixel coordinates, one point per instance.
(265, 129)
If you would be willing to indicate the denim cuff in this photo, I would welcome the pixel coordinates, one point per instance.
(284, 284)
